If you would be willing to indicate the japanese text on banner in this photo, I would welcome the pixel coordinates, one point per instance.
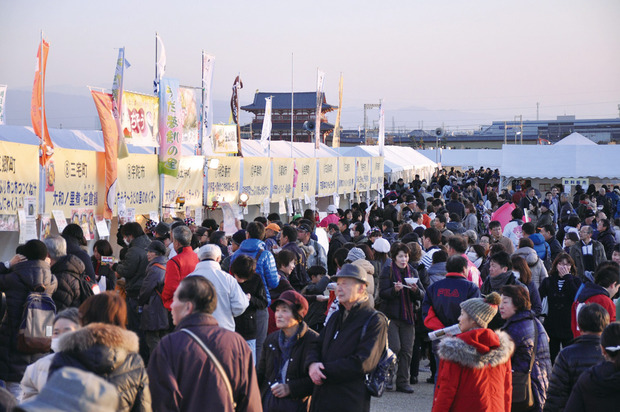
(72, 177)
(18, 178)
(306, 180)
(138, 182)
(328, 176)
(362, 176)
(223, 182)
(282, 187)
(346, 174)
(256, 179)
(187, 184)
(170, 127)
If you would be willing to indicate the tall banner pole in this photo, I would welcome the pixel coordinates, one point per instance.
(292, 104)
(43, 130)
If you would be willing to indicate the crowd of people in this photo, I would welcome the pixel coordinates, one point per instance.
(272, 318)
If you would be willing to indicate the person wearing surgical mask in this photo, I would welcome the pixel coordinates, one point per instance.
(476, 254)
(36, 374)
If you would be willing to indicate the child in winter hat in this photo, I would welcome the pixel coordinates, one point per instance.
(482, 310)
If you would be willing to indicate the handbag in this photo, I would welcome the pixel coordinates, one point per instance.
(376, 380)
(217, 364)
(522, 395)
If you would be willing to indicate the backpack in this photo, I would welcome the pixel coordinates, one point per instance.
(37, 323)
(88, 288)
(377, 379)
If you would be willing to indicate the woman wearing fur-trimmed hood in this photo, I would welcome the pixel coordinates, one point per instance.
(104, 347)
(474, 370)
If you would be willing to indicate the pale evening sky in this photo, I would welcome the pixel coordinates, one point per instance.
(462, 63)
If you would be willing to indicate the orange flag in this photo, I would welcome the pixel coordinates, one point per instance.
(103, 103)
(37, 105)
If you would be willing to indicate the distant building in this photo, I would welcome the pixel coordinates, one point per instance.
(304, 110)
(601, 131)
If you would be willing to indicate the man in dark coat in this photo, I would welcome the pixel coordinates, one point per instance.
(288, 241)
(68, 269)
(183, 376)
(74, 236)
(22, 278)
(133, 269)
(336, 242)
(583, 352)
(342, 356)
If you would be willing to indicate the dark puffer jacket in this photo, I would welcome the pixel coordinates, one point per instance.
(74, 248)
(67, 270)
(583, 353)
(596, 390)
(32, 273)
(520, 327)
(154, 314)
(111, 353)
(133, 267)
(269, 371)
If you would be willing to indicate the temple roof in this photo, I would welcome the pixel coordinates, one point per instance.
(282, 101)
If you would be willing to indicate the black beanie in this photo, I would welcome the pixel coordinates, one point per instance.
(35, 250)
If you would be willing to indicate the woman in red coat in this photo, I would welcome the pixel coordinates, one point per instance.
(474, 369)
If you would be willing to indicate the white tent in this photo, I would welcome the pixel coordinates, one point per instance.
(561, 160)
(399, 161)
(466, 158)
(575, 139)
(280, 148)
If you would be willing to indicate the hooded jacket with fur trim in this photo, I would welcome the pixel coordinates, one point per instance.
(474, 372)
(110, 352)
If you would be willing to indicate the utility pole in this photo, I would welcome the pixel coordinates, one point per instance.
(537, 110)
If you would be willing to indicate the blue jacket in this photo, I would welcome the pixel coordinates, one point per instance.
(520, 327)
(266, 265)
(445, 297)
(540, 246)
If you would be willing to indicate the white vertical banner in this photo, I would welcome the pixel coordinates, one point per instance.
(265, 136)
(208, 62)
(381, 128)
(320, 77)
(117, 101)
(161, 62)
(3, 88)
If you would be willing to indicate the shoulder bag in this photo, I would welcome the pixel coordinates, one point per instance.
(522, 395)
(217, 364)
(376, 380)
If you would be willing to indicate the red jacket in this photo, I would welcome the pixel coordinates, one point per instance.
(176, 269)
(591, 293)
(474, 372)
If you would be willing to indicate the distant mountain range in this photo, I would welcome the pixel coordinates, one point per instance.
(77, 111)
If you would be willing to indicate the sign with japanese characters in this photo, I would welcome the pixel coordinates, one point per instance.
(224, 138)
(170, 127)
(376, 174)
(346, 174)
(328, 176)
(140, 119)
(74, 181)
(223, 182)
(19, 177)
(188, 183)
(256, 179)
(282, 187)
(571, 181)
(306, 177)
(138, 183)
(362, 174)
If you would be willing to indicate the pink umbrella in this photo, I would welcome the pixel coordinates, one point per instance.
(504, 214)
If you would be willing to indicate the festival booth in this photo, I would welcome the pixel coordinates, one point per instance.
(399, 162)
(573, 160)
(465, 158)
